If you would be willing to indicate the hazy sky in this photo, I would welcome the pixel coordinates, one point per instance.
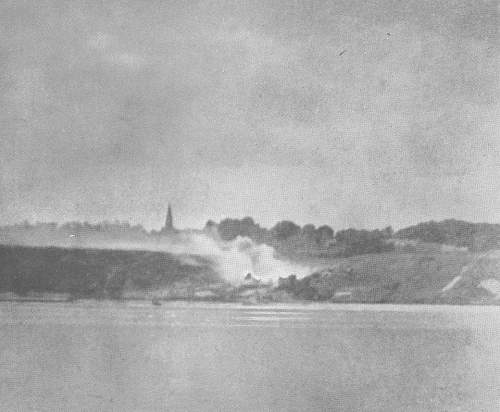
(347, 113)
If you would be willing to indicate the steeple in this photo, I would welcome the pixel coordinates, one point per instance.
(169, 222)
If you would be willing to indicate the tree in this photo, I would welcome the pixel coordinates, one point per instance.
(309, 231)
(229, 229)
(285, 229)
(325, 233)
(388, 232)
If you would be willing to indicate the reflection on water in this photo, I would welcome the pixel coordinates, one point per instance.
(109, 356)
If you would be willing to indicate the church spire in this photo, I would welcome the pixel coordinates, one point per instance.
(169, 222)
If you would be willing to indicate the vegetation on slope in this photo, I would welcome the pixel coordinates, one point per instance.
(97, 273)
(474, 236)
(429, 274)
(391, 277)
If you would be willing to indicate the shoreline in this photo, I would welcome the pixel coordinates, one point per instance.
(245, 303)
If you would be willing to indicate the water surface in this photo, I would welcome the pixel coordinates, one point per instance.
(133, 356)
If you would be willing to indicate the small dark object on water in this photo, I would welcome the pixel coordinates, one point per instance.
(342, 52)
(156, 302)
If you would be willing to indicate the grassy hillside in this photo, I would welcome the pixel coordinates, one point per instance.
(402, 277)
(474, 236)
(96, 272)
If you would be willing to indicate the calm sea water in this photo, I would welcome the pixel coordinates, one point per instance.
(109, 356)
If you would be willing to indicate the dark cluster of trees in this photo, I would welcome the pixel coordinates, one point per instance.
(323, 285)
(474, 236)
(291, 239)
(313, 287)
(358, 242)
(229, 229)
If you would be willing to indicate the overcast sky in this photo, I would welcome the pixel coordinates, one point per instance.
(347, 113)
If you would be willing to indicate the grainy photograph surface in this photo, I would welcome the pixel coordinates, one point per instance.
(249, 205)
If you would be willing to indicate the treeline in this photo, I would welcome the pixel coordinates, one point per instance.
(286, 237)
(75, 227)
(292, 240)
(96, 273)
(474, 236)
(72, 234)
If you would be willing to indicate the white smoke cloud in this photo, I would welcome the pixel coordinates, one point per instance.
(242, 256)
(236, 258)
